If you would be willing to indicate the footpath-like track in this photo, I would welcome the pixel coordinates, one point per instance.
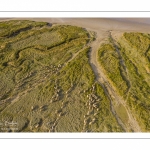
(108, 88)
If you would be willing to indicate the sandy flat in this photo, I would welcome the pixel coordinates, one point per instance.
(96, 24)
(100, 25)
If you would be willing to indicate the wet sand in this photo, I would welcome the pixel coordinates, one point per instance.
(96, 24)
(101, 26)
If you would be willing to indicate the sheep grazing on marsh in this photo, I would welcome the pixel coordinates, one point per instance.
(97, 109)
(37, 125)
(95, 114)
(54, 125)
(85, 122)
(90, 123)
(51, 101)
(59, 65)
(32, 108)
(60, 114)
(58, 111)
(95, 96)
(85, 116)
(94, 119)
(95, 105)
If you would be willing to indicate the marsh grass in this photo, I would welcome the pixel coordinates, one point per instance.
(109, 59)
(134, 50)
(45, 78)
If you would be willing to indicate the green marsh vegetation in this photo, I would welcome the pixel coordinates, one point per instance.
(47, 84)
(129, 71)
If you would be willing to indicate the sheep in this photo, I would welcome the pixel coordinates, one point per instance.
(55, 123)
(89, 103)
(95, 96)
(41, 107)
(89, 112)
(85, 116)
(85, 122)
(37, 125)
(89, 98)
(93, 120)
(58, 111)
(95, 105)
(51, 101)
(60, 114)
(59, 65)
(52, 129)
(86, 104)
(95, 114)
(32, 108)
(90, 123)
(97, 100)
(62, 106)
(97, 109)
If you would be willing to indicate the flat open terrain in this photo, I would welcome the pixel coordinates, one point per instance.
(74, 75)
